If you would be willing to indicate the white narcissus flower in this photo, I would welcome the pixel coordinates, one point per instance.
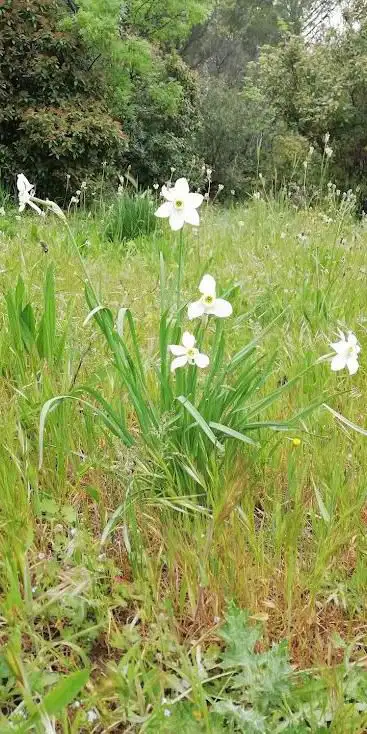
(187, 353)
(26, 192)
(209, 303)
(347, 351)
(181, 205)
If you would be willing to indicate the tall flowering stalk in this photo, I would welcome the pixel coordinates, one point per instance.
(180, 208)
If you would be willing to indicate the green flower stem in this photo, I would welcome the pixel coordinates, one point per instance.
(180, 270)
(53, 207)
(82, 263)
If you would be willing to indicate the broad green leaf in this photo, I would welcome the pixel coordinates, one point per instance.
(65, 691)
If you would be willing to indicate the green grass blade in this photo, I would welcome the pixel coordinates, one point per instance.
(231, 433)
(200, 421)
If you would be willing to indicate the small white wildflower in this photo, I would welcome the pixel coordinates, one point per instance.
(326, 138)
(209, 304)
(209, 172)
(347, 350)
(187, 353)
(167, 712)
(216, 620)
(2, 211)
(233, 192)
(172, 169)
(83, 185)
(328, 151)
(92, 715)
(155, 186)
(41, 556)
(75, 705)
(181, 205)
(256, 195)
(74, 200)
(311, 150)
(305, 164)
(78, 192)
(241, 223)
(220, 187)
(206, 196)
(302, 237)
(283, 235)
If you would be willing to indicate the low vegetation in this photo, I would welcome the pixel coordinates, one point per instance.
(183, 548)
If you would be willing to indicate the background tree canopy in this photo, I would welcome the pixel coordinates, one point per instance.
(238, 84)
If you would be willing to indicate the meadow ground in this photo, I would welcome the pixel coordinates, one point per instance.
(122, 580)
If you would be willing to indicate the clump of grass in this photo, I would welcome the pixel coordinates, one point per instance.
(130, 216)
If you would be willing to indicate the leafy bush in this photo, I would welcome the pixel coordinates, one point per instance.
(150, 88)
(316, 90)
(230, 132)
(53, 121)
(163, 121)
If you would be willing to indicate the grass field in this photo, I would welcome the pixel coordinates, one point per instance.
(150, 580)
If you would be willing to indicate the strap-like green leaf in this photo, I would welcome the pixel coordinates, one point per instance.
(200, 421)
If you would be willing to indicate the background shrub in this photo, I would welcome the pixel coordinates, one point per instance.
(53, 119)
(235, 85)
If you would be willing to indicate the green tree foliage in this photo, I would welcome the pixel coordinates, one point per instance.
(150, 88)
(53, 122)
(317, 89)
(235, 31)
